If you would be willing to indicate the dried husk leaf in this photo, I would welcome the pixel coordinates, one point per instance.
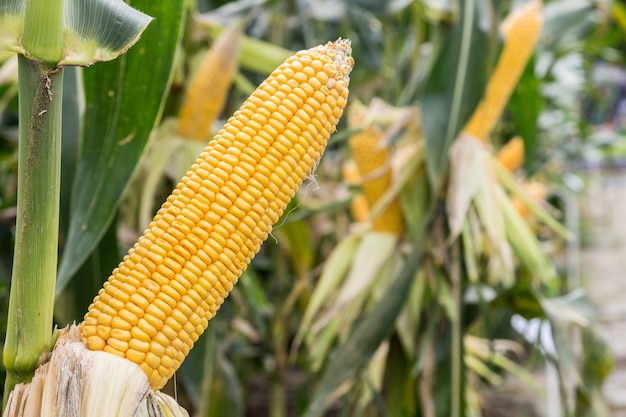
(74, 381)
(468, 161)
(94, 31)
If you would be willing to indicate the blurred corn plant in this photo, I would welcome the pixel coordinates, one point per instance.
(414, 320)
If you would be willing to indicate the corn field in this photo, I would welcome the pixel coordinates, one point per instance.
(298, 208)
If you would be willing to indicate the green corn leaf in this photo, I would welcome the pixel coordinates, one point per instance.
(410, 316)
(297, 235)
(226, 399)
(71, 304)
(455, 84)
(510, 184)
(482, 369)
(401, 385)
(220, 391)
(73, 104)
(334, 272)
(568, 21)
(374, 250)
(11, 24)
(525, 244)
(100, 30)
(95, 30)
(124, 102)
(319, 344)
(255, 55)
(588, 366)
(208, 377)
(357, 351)
(526, 103)
(598, 362)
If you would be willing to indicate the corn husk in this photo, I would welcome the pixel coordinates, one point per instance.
(75, 381)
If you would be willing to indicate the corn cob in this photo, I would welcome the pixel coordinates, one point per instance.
(209, 86)
(372, 158)
(521, 31)
(159, 299)
(511, 155)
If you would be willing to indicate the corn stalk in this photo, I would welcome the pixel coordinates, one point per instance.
(34, 267)
(36, 31)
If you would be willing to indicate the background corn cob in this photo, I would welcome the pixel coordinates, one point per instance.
(511, 155)
(159, 300)
(373, 157)
(521, 31)
(209, 87)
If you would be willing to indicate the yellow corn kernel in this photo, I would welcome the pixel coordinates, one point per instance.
(372, 158)
(511, 155)
(207, 92)
(135, 356)
(118, 344)
(123, 335)
(103, 332)
(120, 323)
(521, 31)
(110, 349)
(197, 215)
(96, 343)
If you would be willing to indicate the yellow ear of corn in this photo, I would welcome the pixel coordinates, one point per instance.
(511, 155)
(521, 31)
(209, 87)
(372, 158)
(158, 301)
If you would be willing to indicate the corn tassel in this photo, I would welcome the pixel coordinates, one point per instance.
(372, 158)
(521, 31)
(511, 155)
(207, 92)
(158, 301)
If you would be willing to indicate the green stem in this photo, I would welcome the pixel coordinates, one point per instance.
(458, 364)
(43, 30)
(278, 402)
(29, 327)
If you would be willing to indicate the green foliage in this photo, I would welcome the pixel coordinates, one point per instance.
(124, 102)
(525, 106)
(86, 32)
(455, 84)
(349, 360)
(417, 334)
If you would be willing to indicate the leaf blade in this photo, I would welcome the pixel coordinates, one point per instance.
(96, 30)
(447, 103)
(124, 103)
(361, 345)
